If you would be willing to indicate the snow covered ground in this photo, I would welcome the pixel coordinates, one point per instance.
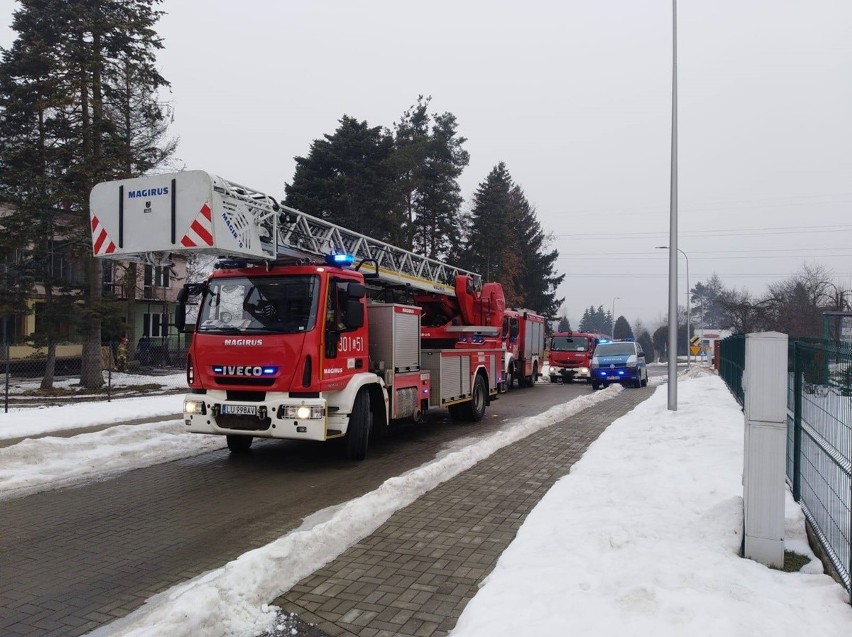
(643, 533)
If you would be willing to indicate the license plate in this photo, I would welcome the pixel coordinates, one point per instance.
(612, 377)
(240, 410)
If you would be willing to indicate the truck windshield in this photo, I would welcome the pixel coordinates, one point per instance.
(263, 304)
(615, 349)
(569, 344)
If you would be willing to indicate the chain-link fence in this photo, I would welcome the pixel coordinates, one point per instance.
(127, 370)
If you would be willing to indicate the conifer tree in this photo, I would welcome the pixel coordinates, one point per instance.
(440, 195)
(61, 88)
(536, 280)
(505, 243)
(622, 329)
(346, 179)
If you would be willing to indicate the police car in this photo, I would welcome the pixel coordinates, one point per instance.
(619, 362)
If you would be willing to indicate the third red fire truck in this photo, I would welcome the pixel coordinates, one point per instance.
(571, 355)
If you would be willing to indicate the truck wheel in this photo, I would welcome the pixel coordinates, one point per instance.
(595, 385)
(535, 375)
(510, 379)
(644, 382)
(238, 444)
(474, 409)
(358, 432)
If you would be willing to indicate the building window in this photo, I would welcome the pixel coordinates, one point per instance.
(156, 276)
(155, 325)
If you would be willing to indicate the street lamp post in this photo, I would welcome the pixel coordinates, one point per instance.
(687, 301)
(613, 314)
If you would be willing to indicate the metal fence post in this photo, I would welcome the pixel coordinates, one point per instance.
(111, 360)
(797, 424)
(6, 381)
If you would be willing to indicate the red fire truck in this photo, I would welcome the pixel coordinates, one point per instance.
(291, 339)
(571, 355)
(523, 344)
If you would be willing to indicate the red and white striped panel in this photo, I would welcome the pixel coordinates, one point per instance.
(200, 232)
(101, 243)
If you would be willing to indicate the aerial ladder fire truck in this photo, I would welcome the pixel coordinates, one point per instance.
(305, 330)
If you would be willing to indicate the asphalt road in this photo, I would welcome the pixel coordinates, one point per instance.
(78, 558)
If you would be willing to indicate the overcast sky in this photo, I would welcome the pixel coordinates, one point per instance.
(575, 97)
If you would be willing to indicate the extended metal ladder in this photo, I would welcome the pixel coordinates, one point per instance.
(146, 218)
(298, 234)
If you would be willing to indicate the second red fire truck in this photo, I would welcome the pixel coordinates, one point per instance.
(523, 342)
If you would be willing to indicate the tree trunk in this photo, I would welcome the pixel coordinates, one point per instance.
(130, 275)
(49, 365)
(91, 372)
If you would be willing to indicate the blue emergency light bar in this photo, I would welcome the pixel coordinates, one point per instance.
(341, 260)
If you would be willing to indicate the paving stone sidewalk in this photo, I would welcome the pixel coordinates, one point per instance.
(415, 574)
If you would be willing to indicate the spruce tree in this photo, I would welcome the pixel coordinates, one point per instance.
(537, 280)
(78, 97)
(346, 179)
(440, 197)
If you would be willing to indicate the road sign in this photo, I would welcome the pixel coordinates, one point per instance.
(695, 340)
(695, 349)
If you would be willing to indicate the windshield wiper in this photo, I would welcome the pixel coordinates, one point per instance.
(220, 329)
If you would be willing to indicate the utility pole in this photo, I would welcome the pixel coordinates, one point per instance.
(612, 314)
(672, 363)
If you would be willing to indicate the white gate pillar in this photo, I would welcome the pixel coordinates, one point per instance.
(765, 389)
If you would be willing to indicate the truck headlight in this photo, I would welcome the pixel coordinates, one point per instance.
(194, 407)
(304, 412)
(595, 363)
(633, 361)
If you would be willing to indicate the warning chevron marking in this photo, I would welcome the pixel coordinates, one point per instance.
(101, 242)
(200, 230)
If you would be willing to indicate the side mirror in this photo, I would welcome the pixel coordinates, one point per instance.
(189, 289)
(641, 354)
(356, 291)
(354, 313)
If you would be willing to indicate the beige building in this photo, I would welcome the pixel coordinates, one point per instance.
(145, 308)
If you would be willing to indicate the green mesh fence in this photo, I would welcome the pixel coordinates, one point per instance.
(732, 363)
(819, 444)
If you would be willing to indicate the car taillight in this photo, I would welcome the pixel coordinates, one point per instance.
(190, 371)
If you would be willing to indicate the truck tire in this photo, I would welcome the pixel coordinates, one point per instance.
(238, 444)
(595, 385)
(474, 409)
(510, 379)
(358, 432)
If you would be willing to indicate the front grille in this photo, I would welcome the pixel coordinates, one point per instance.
(244, 382)
(244, 396)
(243, 423)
